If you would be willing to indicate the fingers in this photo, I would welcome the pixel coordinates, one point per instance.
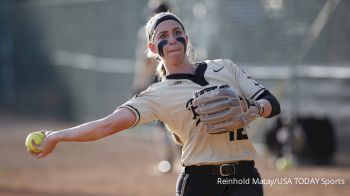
(37, 146)
(43, 149)
(36, 155)
(31, 152)
(217, 105)
(46, 133)
(47, 145)
(243, 105)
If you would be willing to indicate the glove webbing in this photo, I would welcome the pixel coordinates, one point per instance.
(197, 94)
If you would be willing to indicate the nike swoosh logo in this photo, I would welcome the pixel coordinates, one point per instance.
(217, 70)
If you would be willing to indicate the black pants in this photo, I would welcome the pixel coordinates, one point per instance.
(208, 184)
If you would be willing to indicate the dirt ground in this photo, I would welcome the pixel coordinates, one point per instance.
(122, 165)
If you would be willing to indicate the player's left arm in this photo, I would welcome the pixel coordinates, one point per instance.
(270, 104)
(258, 94)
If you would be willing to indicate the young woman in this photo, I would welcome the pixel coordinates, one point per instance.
(215, 164)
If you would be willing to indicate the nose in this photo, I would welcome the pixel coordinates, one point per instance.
(172, 40)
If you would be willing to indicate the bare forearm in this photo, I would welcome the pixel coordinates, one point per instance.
(94, 130)
(270, 103)
(267, 108)
(89, 131)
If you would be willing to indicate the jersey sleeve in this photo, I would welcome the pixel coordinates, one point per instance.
(249, 87)
(143, 107)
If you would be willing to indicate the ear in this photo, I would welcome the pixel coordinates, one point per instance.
(153, 48)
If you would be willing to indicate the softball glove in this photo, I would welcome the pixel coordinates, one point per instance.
(222, 109)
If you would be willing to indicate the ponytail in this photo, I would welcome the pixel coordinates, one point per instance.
(160, 72)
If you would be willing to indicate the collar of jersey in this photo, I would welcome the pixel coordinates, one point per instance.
(197, 78)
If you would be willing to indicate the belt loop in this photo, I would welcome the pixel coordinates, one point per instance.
(234, 169)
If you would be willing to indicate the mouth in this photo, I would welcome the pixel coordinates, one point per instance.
(172, 51)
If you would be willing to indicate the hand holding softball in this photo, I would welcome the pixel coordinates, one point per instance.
(33, 140)
(40, 143)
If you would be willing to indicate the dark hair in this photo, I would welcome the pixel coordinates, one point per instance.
(164, 17)
(163, 7)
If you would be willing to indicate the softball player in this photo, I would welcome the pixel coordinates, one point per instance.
(214, 164)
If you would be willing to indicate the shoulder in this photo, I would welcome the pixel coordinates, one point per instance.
(153, 90)
(222, 62)
(218, 63)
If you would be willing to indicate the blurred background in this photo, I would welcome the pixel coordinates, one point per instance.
(63, 62)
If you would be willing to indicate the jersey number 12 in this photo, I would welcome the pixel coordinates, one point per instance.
(240, 135)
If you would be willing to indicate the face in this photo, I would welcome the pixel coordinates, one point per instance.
(170, 41)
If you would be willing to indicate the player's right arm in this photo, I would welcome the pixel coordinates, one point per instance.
(121, 119)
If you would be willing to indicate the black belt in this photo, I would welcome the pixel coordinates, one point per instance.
(225, 169)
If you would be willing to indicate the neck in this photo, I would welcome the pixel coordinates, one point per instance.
(184, 67)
